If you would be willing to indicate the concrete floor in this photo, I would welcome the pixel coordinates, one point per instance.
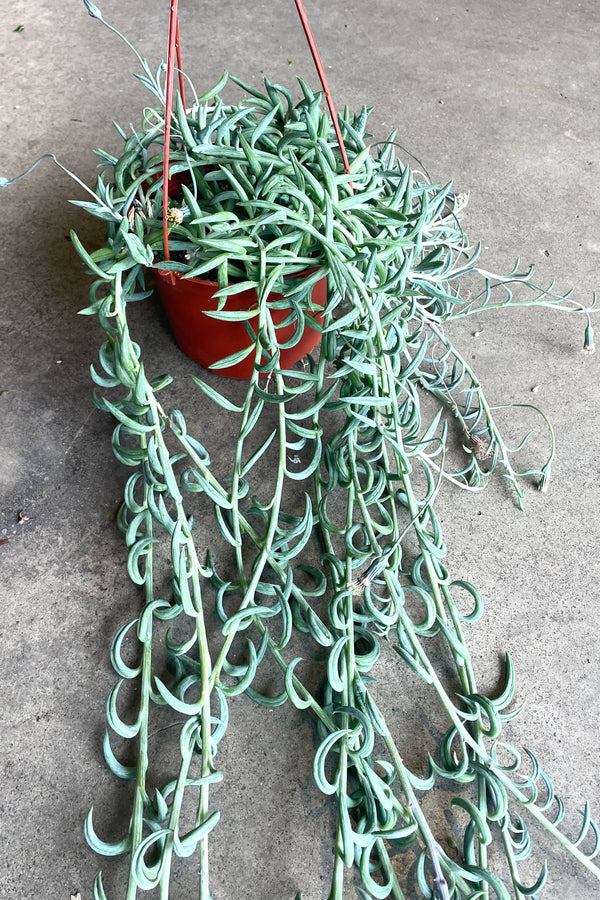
(500, 98)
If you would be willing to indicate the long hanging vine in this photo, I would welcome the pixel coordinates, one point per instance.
(264, 194)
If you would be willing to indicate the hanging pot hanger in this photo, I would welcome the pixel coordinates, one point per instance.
(174, 54)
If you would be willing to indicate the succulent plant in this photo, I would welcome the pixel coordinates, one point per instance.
(326, 538)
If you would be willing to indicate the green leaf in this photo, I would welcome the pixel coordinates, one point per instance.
(121, 668)
(122, 265)
(186, 845)
(99, 893)
(264, 700)
(290, 688)
(194, 481)
(103, 382)
(216, 89)
(127, 773)
(207, 266)
(359, 159)
(232, 315)
(257, 454)
(334, 678)
(139, 251)
(101, 847)
(216, 396)
(146, 876)
(324, 785)
(182, 122)
(478, 819)
(358, 198)
(97, 210)
(262, 126)
(233, 359)
(85, 256)
(123, 729)
(534, 889)
(243, 618)
(139, 549)
(212, 218)
(236, 288)
(187, 709)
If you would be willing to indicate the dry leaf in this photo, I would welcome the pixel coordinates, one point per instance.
(21, 518)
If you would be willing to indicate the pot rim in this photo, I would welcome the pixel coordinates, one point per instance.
(172, 273)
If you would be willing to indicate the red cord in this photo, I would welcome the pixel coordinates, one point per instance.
(321, 73)
(173, 32)
(179, 66)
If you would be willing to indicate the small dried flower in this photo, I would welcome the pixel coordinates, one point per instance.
(358, 585)
(544, 480)
(174, 215)
(136, 208)
(588, 341)
(461, 201)
(92, 9)
(480, 448)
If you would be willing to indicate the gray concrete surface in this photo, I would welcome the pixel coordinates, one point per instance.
(500, 98)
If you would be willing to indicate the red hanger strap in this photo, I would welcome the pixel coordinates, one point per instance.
(173, 50)
(321, 73)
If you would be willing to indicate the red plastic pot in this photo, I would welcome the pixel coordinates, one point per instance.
(208, 340)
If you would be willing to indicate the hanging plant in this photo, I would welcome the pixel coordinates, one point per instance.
(326, 532)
